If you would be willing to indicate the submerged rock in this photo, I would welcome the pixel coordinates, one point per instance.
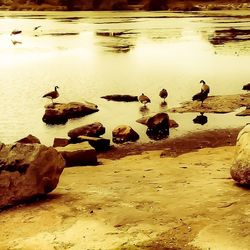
(121, 98)
(59, 113)
(94, 129)
(240, 170)
(26, 171)
(124, 133)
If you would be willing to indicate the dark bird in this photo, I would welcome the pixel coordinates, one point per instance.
(15, 32)
(144, 99)
(202, 95)
(246, 87)
(37, 27)
(163, 94)
(53, 94)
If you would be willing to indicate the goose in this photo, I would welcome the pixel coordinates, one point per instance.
(163, 94)
(53, 94)
(143, 99)
(202, 95)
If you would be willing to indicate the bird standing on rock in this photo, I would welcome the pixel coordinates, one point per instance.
(202, 95)
(53, 94)
(163, 94)
(143, 99)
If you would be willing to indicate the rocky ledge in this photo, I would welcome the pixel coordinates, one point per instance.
(59, 113)
(215, 104)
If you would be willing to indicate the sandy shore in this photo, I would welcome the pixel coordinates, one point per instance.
(145, 201)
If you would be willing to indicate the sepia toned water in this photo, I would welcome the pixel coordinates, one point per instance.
(91, 54)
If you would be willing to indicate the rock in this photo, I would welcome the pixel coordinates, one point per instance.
(121, 98)
(240, 170)
(94, 129)
(124, 133)
(173, 124)
(96, 142)
(29, 139)
(80, 154)
(59, 113)
(26, 171)
(61, 142)
(246, 87)
(245, 112)
(215, 104)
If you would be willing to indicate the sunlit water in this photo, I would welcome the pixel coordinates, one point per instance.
(155, 50)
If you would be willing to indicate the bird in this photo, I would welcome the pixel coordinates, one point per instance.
(163, 94)
(37, 27)
(143, 99)
(202, 95)
(53, 94)
(15, 32)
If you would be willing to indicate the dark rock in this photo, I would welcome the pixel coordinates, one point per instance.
(80, 154)
(246, 87)
(124, 133)
(59, 113)
(121, 98)
(200, 119)
(61, 142)
(29, 139)
(94, 129)
(98, 143)
(240, 170)
(26, 171)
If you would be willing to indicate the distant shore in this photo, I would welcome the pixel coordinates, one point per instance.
(123, 5)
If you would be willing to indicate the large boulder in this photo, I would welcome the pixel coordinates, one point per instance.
(26, 171)
(124, 133)
(121, 98)
(240, 170)
(80, 154)
(94, 129)
(59, 113)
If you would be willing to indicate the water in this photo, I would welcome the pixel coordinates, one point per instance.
(147, 52)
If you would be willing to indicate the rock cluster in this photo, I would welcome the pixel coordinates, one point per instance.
(240, 170)
(27, 170)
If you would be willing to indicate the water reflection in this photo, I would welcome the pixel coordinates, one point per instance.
(200, 119)
(144, 110)
(157, 134)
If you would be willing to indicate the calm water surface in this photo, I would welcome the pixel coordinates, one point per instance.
(91, 54)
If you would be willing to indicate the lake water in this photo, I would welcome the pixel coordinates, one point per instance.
(91, 54)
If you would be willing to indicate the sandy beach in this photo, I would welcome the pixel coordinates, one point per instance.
(143, 201)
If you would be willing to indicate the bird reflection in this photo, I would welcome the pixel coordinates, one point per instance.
(144, 110)
(156, 135)
(15, 42)
(163, 104)
(200, 119)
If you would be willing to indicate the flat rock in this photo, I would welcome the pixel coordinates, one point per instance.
(61, 142)
(215, 104)
(240, 170)
(59, 113)
(245, 112)
(26, 171)
(80, 154)
(96, 142)
(121, 98)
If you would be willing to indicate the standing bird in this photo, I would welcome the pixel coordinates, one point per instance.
(144, 99)
(163, 94)
(53, 94)
(201, 96)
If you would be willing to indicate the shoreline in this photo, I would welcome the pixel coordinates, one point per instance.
(173, 147)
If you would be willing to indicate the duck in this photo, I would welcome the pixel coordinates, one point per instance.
(163, 94)
(53, 94)
(202, 95)
(144, 99)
